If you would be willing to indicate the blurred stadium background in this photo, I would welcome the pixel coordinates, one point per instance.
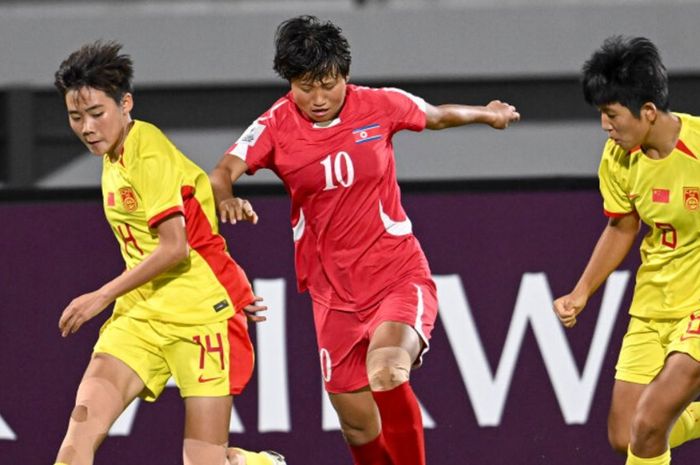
(203, 72)
(499, 210)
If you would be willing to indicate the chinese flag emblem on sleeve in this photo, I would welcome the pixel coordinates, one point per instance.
(659, 195)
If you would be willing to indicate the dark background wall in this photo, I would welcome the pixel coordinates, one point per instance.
(502, 383)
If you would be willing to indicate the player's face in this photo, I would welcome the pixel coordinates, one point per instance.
(320, 100)
(622, 126)
(98, 121)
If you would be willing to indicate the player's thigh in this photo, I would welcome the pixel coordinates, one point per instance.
(207, 418)
(117, 373)
(395, 334)
(641, 358)
(625, 398)
(358, 413)
(405, 318)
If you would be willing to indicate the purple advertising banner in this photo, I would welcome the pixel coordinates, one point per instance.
(502, 383)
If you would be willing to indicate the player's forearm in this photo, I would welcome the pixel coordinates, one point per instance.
(451, 115)
(162, 259)
(221, 184)
(612, 247)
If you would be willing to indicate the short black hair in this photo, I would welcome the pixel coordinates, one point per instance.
(628, 71)
(98, 65)
(310, 49)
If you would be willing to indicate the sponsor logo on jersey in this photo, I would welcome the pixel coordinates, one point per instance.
(220, 306)
(367, 133)
(128, 199)
(202, 379)
(660, 195)
(691, 198)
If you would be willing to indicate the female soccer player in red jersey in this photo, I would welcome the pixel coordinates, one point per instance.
(178, 306)
(649, 171)
(374, 300)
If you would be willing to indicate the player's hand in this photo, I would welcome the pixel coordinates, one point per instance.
(81, 310)
(252, 311)
(503, 114)
(236, 209)
(568, 307)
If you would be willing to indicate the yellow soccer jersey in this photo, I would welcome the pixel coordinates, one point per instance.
(666, 195)
(151, 181)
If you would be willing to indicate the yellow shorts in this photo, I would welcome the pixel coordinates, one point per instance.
(209, 360)
(648, 342)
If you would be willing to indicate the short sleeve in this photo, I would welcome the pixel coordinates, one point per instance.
(158, 178)
(405, 110)
(255, 146)
(613, 173)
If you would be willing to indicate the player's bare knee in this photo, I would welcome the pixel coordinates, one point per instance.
(352, 435)
(388, 367)
(79, 413)
(386, 378)
(197, 452)
(618, 442)
(67, 455)
(234, 457)
(356, 424)
(618, 436)
(645, 429)
(98, 403)
(97, 400)
(356, 434)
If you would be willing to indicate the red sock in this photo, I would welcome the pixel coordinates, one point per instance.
(402, 424)
(372, 453)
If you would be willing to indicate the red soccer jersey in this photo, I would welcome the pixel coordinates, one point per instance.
(353, 240)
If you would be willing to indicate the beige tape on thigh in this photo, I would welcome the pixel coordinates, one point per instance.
(196, 452)
(98, 403)
(388, 367)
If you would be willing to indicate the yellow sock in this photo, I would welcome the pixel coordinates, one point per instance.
(663, 459)
(254, 458)
(687, 427)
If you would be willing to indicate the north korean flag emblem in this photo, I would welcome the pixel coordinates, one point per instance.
(367, 133)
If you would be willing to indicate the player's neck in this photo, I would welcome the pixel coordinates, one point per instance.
(116, 154)
(662, 136)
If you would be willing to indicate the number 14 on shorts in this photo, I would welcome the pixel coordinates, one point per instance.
(214, 349)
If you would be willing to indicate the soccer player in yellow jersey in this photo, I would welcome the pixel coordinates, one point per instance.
(180, 304)
(650, 172)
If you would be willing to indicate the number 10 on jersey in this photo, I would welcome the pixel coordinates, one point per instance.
(334, 172)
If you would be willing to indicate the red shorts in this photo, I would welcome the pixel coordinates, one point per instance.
(343, 336)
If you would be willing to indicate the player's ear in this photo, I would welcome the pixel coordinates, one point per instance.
(649, 112)
(127, 103)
